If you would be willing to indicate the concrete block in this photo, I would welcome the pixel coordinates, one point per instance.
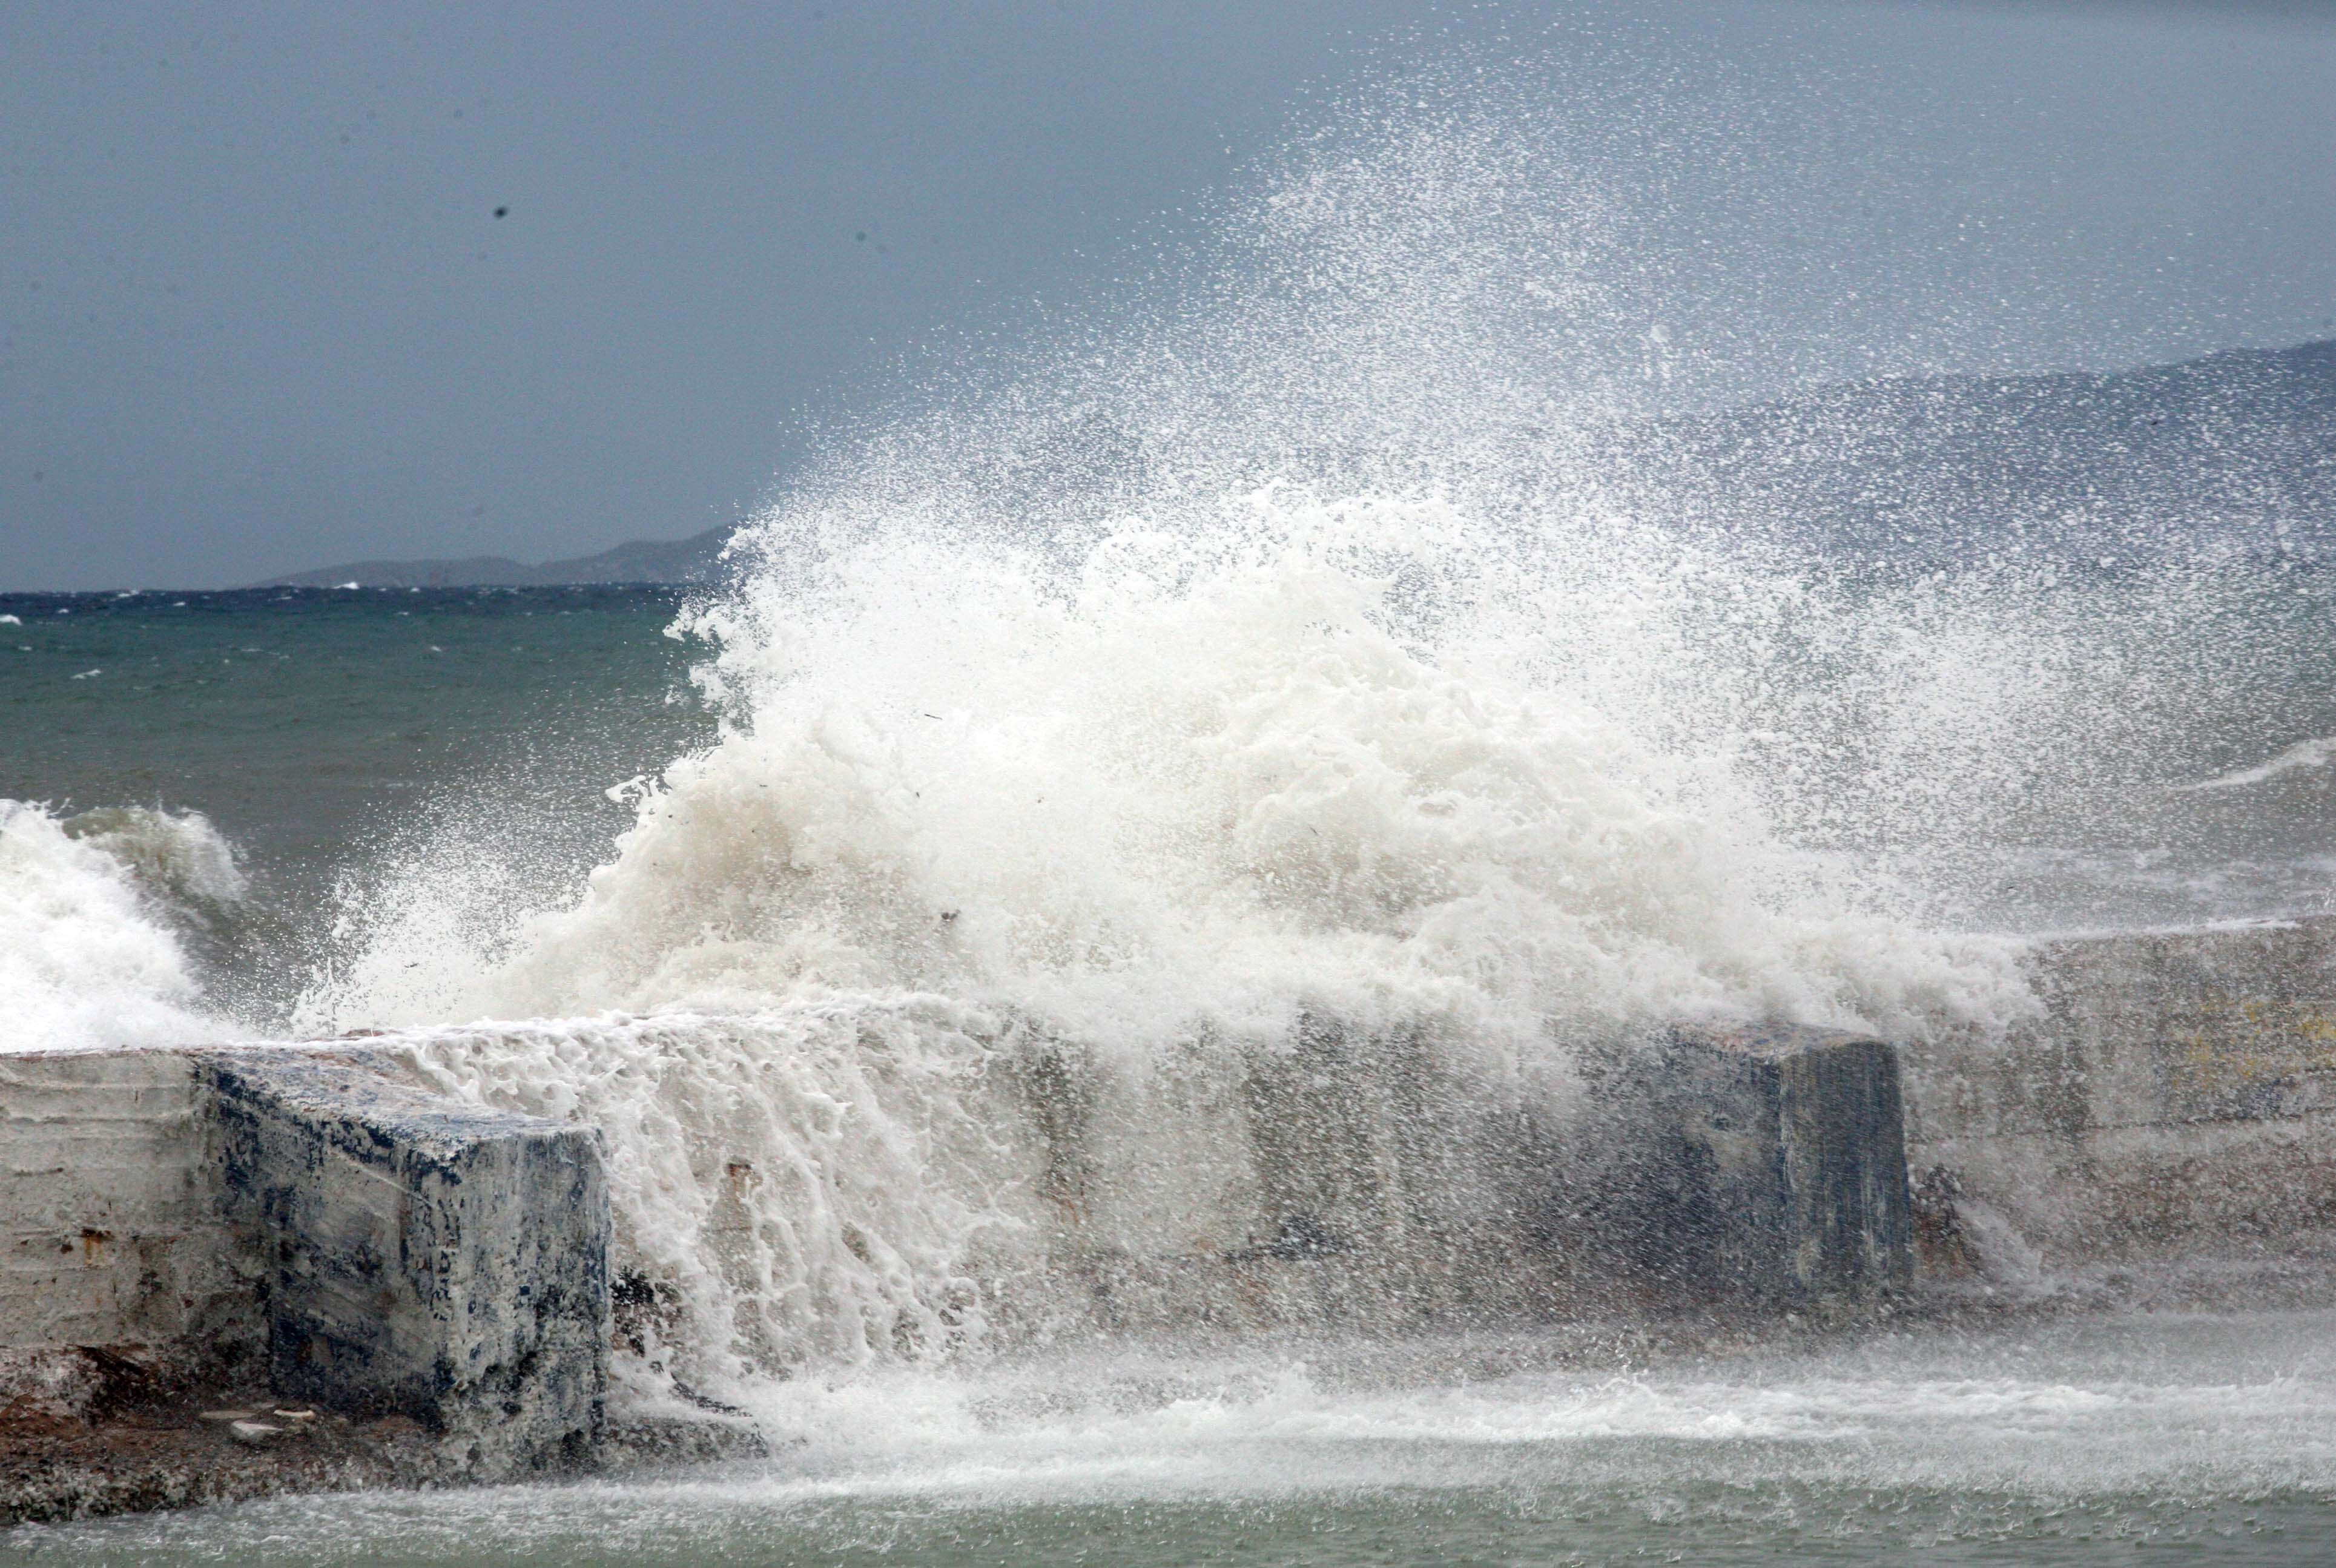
(419, 1255)
(1342, 1175)
(109, 1231)
(2179, 1095)
(1761, 1163)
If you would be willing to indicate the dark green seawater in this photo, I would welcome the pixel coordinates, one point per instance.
(321, 730)
(301, 720)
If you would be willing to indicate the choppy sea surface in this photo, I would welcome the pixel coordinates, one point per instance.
(1267, 647)
(301, 720)
(317, 735)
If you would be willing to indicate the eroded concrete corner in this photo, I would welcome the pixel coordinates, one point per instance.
(419, 1255)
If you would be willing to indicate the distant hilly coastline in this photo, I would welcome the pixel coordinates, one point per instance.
(679, 560)
(2239, 446)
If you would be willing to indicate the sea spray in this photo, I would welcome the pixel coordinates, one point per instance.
(1143, 831)
(813, 1187)
(177, 860)
(1188, 795)
(91, 911)
(1287, 750)
(1277, 750)
(1337, 754)
(856, 1180)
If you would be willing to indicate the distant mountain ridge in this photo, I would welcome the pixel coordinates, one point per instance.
(2240, 445)
(680, 561)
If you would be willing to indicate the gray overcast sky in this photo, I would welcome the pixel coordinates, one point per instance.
(258, 314)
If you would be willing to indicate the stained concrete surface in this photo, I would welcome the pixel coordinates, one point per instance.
(418, 1255)
(1759, 1164)
(2177, 1096)
(291, 1229)
(109, 1229)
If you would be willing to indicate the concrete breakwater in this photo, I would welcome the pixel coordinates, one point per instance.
(370, 1281)
(363, 1280)
(2178, 1097)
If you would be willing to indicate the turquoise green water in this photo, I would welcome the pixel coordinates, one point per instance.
(325, 733)
(301, 721)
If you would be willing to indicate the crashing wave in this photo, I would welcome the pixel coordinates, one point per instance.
(89, 955)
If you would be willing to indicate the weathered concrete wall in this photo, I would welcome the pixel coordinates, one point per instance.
(301, 1218)
(367, 1245)
(108, 1214)
(385, 1250)
(2179, 1094)
(1341, 1177)
(1364, 1178)
(1754, 1164)
(418, 1254)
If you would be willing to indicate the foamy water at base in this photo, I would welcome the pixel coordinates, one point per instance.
(2083, 1440)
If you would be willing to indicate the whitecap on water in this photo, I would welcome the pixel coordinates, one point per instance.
(89, 955)
(2303, 757)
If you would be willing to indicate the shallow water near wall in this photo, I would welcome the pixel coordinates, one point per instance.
(2089, 1438)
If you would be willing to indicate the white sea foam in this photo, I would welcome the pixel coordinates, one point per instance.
(2303, 757)
(1335, 753)
(1151, 693)
(2067, 1442)
(1263, 652)
(2096, 1407)
(808, 1186)
(178, 857)
(88, 955)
